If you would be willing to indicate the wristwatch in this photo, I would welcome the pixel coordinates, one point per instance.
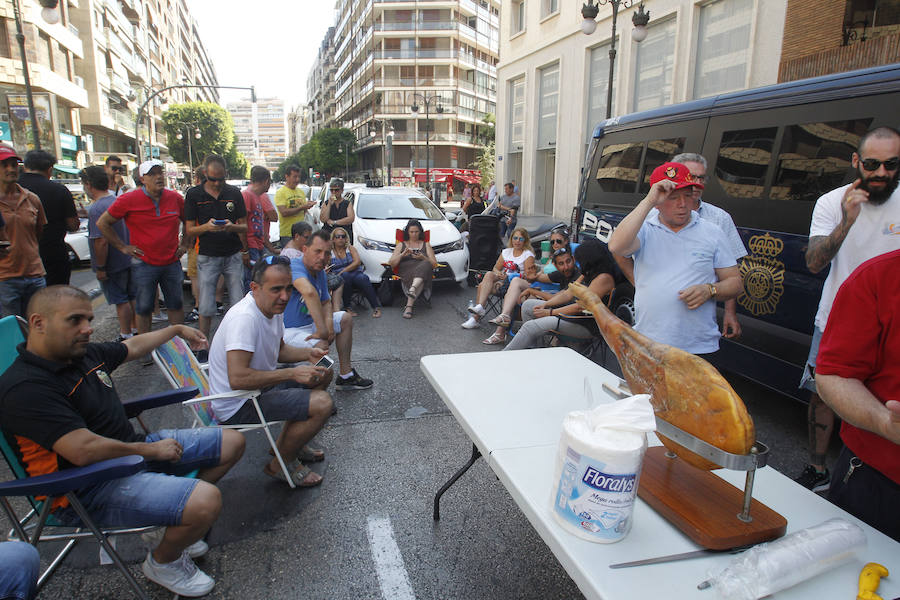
(712, 290)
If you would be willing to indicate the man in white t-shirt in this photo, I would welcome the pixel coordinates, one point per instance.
(244, 356)
(850, 225)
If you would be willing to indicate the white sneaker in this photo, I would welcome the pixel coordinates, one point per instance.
(471, 323)
(180, 576)
(160, 317)
(477, 310)
(155, 536)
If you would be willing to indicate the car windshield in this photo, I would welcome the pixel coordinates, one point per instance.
(397, 206)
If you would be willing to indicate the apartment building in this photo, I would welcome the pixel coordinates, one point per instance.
(298, 125)
(553, 78)
(839, 35)
(260, 130)
(440, 57)
(320, 87)
(132, 48)
(52, 52)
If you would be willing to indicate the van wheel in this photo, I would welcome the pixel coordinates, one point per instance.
(624, 309)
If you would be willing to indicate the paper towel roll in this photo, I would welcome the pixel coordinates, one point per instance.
(598, 468)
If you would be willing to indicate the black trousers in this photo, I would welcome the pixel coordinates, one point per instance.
(58, 271)
(867, 495)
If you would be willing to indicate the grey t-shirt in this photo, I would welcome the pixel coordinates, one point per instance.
(511, 201)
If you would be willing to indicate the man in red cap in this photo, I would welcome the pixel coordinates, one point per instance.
(682, 264)
(21, 269)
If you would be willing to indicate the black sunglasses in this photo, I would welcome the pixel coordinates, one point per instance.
(340, 237)
(872, 164)
(557, 241)
(119, 169)
(560, 252)
(215, 179)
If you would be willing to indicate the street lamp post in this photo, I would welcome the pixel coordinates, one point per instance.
(196, 135)
(137, 120)
(387, 146)
(52, 17)
(640, 19)
(415, 108)
(344, 148)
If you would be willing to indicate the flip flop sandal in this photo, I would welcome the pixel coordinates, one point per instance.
(495, 338)
(408, 313)
(307, 454)
(299, 476)
(501, 320)
(376, 313)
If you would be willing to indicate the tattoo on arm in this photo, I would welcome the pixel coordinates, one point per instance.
(822, 248)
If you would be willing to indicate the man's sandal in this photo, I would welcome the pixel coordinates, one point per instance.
(495, 338)
(307, 454)
(302, 477)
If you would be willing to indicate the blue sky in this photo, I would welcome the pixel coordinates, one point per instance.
(267, 43)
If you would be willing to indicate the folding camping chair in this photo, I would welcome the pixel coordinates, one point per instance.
(587, 347)
(395, 277)
(44, 491)
(180, 368)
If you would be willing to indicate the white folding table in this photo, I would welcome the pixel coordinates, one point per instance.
(511, 405)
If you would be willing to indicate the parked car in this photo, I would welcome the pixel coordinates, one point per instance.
(381, 211)
(313, 216)
(77, 244)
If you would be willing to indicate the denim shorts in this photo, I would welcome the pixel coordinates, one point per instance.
(209, 268)
(288, 401)
(16, 292)
(808, 379)
(296, 336)
(156, 496)
(147, 277)
(118, 288)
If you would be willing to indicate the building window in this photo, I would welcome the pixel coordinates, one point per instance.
(598, 88)
(44, 51)
(655, 61)
(518, 17)
(723, 47)
(548, 107)
(517, 114)
(5, 50)
(549, 7)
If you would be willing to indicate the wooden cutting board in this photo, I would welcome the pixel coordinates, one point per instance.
(702, 505)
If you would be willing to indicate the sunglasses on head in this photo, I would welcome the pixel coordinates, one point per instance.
(214, 179)
(872, 164)
(274, 259)
(560, 252)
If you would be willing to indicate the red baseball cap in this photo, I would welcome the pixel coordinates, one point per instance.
(7, 151)
(676, 172)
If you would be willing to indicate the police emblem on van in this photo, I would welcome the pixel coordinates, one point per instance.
(763, 275)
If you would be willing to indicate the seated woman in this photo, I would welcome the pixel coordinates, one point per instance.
(515, 260)
(345, 262)
(413, 260)
(520, 289)
(300, 232)
(541, 316)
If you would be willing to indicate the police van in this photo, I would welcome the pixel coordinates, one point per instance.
(772, 152)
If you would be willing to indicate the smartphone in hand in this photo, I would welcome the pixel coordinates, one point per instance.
(326, 361)
(220, 222)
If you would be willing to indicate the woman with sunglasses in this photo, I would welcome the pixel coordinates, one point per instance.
(413, 260)
(562, 312)
(474, 204)
(516, 260)
(345, 262)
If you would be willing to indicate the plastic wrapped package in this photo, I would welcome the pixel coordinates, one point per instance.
(778, 565)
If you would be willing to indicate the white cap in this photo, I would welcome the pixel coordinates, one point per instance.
(147, 165)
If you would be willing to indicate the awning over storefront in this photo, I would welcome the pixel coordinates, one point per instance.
(439, 175)
(67, 170)
(468, 178)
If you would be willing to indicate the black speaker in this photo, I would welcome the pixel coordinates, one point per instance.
(484, 241)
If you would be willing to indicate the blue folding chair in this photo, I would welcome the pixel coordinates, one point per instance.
(41, 491)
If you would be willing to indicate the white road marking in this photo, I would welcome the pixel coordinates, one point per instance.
(392, 576)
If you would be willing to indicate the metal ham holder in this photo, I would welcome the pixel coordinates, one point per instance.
(698, 501)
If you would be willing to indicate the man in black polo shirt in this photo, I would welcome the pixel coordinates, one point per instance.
(59, 408)
(59, 207)
(222, 235)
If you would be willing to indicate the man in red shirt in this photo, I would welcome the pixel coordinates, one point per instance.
(260, 213)
(858, 376)
(153, 216)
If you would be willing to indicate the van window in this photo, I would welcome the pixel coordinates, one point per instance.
(619, 166)
(743, 161)
(658, 152)
(815, 158)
